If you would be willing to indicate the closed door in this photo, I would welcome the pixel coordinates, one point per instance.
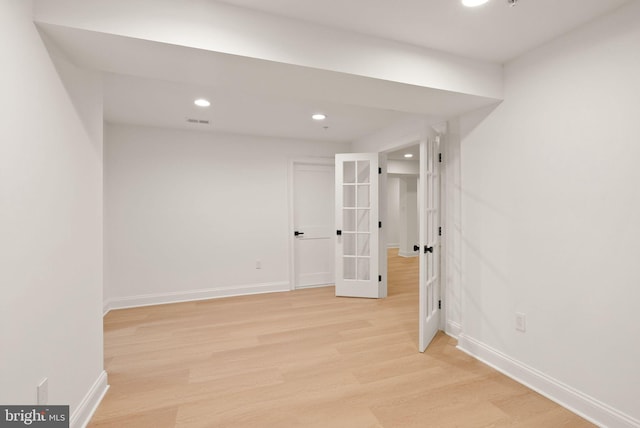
(313, 195)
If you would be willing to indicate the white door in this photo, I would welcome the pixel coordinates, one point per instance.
(428, 192)
(357, 232)
(313, 196)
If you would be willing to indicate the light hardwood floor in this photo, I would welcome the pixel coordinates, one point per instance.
(304, 359)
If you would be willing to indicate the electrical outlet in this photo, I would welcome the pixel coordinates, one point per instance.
(258, 264)
(42, 391)
(521, 322)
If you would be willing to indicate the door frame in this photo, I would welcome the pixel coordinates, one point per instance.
(418, 138)
(323, 161)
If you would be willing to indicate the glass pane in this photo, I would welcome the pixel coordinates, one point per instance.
(363, 244)
(348, 196)
(432, 300)
(363, 269)
(363, 196)
(349, 244)
(363, 172)
(349, 220)
(349, 265)
(363, 220)
(432, 156)
(349, 172)
(434, 191)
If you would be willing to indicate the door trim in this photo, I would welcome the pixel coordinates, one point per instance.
(441, 130)
(323, 161)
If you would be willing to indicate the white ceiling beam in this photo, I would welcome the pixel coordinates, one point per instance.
(216, 27)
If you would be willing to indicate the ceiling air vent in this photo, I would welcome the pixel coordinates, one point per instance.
(200, 121)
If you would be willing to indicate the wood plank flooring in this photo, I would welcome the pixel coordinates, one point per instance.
(304, 359)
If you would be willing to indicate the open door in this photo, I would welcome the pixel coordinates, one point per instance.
(357, 226)
(429, 201)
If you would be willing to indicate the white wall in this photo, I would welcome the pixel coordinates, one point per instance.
(400, 220)
(404, 167)
(408, 228)
(188, 213)
(393, 212)
(550, 210)
(452, 229)
(50, 222)
(404, 133)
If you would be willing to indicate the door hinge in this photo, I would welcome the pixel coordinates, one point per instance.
(380, 170)
(439, 304)
(440, 231)
(379, 278)
(439, 157)
(379, 225)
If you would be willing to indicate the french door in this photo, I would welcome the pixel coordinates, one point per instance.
(357, 226)
(358, 266)
(429, 205)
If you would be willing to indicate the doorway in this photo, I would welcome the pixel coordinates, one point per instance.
(427, 241)
(402, 233)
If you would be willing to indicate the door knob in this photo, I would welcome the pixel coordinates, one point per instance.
(296, 233)
(416, 248)
(428, 249)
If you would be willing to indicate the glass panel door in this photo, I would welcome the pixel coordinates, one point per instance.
(356, 223)
(429, 314)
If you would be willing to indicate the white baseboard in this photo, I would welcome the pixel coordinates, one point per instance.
(303, 287)
(188, 296)
(393, 245)
(87, 407)
(406, 254)
(453, 329)
(568, 397)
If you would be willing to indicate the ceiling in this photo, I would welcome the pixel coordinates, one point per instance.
(493, 32)
(399, 154)
(162, 103)
(154, 84)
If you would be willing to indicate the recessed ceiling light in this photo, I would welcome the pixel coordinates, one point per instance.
(473, 3)
(319, 116)
(408, 155)
(201, 102)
